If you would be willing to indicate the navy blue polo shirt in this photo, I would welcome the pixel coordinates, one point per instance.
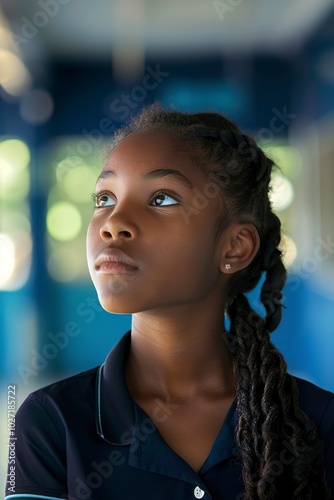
(85, 438)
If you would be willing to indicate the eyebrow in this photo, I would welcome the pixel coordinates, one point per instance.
(163, 172)
(154, 174)
(105, 174)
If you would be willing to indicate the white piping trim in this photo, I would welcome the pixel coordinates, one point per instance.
(29, 495)
(100, 430)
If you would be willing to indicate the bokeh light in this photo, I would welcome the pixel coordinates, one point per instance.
(36, 106)
(16, 243)
(7, 259)
(14, 174)
(16, 152)
(78, 183)
(287, 158)
(66, 164)
(13, 187)
(73, 181)
(14, 76)
(15, 246)
(63, 221)
(282, 192)
(289, 250)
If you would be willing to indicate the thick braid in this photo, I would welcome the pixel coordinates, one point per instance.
(272, 404)
(250, 340)
(275, 274)
(270, 421)
(297, 428)
(243, 348)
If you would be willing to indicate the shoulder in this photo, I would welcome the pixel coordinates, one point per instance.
(76, 384)
(317, 403)
(72, 394)
(48, 415)
(43, 424)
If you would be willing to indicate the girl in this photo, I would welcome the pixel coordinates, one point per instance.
(182, 408)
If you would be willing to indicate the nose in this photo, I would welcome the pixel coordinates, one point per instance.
(117, 227)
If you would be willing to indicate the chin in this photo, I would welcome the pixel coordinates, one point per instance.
(114, 310)
(114, 306)
(117, 305)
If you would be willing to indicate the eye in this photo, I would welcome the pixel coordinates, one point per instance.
(103, 200)
(163, 200)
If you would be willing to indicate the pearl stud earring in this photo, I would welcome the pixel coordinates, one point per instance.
(227, 266)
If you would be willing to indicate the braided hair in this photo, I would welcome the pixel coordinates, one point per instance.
(270, 421)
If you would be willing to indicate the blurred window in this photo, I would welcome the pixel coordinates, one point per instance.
(15, 229)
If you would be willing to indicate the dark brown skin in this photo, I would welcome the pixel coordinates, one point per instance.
(179, 367)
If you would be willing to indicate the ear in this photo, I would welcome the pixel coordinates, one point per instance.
(241, 243)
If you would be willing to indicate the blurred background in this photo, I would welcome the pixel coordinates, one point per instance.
(71, 73)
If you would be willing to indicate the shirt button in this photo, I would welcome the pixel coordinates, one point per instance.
(198, 493)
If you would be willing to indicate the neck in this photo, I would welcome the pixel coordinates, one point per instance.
(179, 356)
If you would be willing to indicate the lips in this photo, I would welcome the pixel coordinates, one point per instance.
(114, 261)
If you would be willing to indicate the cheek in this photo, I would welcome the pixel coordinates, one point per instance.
(190, 259)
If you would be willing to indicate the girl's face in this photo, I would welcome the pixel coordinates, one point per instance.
(151, 241)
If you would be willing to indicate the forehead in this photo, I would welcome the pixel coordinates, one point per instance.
(143, 149)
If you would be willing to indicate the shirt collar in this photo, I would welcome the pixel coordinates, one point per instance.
(115, 414)
(224, 446)
(118, 416)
